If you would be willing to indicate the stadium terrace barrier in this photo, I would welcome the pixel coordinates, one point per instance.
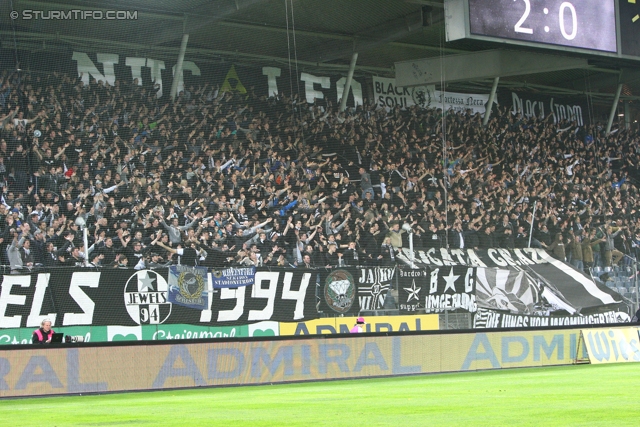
(28, 371)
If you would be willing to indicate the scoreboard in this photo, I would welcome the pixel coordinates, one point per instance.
(602, 27)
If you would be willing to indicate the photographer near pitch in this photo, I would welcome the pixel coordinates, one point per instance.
(43, 334)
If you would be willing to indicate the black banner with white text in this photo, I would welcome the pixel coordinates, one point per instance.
(437, 289)
(492, 319)
(126, 297)
(374, 284)
(563, 109)
(313, 86)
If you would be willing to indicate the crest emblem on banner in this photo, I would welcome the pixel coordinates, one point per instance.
(186, 286)
(190, 285)
(145, 297)
(421, 96)
(340, 291)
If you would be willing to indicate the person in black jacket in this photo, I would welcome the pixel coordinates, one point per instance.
(73, 259)
(486, 239)
(388, 252)
(189, 254)
(331, 256)
(521, 239)
(351, 255)
(457, 237)
(49, 259)
(542, 235)
(108, 251)
(317, 258)
(132, 251)
(506, 240)
(67, 243)
(370, 246)
(219, 257)
(471, 239)
(432, 238)
(38, 247)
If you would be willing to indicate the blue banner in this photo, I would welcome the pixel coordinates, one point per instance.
(187, 286)
(233, 277)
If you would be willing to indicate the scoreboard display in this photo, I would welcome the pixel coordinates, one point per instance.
(606, 27)
(630, 27)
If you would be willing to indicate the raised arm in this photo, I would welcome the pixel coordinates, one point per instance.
(165, 247)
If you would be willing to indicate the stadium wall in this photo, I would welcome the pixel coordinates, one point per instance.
(101, 368)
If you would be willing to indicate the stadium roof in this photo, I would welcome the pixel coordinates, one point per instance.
(319, 34)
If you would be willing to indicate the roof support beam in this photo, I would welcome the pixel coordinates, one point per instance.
(614, 108)
(177, 76)
(492, 98)
(347, 86)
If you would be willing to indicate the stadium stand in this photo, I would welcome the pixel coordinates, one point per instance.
(251, 180)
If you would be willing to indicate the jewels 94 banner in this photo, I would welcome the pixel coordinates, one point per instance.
(126, 297)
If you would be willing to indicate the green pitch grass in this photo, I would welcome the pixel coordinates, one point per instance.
(561, 396)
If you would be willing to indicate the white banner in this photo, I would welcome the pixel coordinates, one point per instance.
(461, 102)
(388, 96)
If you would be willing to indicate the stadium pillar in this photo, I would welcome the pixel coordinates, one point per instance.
(408, 229)
(178, 73)
(85, 241)
(614, 108)
(347, 86)
(635, 281)
(492, 98)
(533, 219)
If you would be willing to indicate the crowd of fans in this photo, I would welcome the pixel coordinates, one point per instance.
(220, 179)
